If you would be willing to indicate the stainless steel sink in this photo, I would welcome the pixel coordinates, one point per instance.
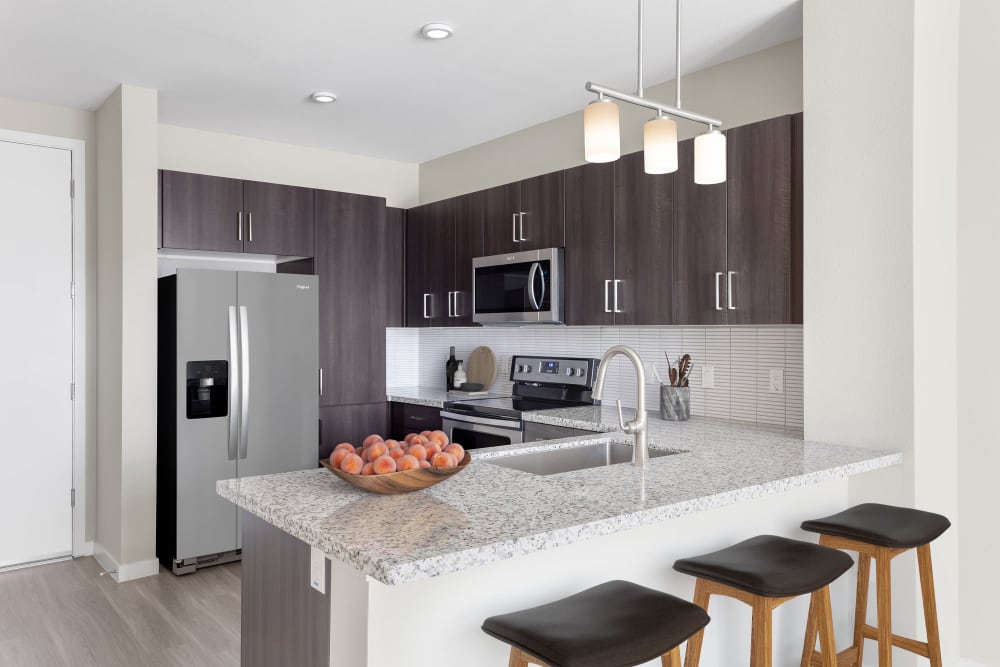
(555, 461)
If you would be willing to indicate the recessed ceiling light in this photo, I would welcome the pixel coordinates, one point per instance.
(323, 97)
(436, 31)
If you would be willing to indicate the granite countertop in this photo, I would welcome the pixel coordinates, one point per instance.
(433, 397)
(488, 513)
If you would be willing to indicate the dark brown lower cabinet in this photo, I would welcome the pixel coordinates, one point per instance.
(350, 423)
(408, 418)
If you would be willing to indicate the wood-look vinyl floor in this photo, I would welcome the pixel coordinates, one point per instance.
(69, 614)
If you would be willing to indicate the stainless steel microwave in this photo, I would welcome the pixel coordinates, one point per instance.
(518, 287)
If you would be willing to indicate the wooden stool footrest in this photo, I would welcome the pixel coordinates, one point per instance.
(846, 658)
(911, 645)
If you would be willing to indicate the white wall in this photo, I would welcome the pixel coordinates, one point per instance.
(126, 375)
(201, 152)
(759, 86)
(978, 364)
(880, 267)
(23, 116)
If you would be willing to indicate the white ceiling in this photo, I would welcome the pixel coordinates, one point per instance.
(246, 67)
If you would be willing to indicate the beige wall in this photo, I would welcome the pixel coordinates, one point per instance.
(978, 363)
(197, 151)
(23, 116)
(752, 88)
(880, 267)
(126, 377)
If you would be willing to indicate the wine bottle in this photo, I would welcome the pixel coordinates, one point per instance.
(450, 367)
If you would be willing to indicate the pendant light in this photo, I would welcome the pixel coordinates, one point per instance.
(601, 139)
(602, 142)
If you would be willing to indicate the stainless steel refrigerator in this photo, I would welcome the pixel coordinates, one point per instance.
(238, 396)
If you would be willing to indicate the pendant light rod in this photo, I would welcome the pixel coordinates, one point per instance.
(650, 104)
(677, 78)
(638, 85)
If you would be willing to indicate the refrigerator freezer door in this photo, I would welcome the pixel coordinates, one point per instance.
(206, 524)
(281, 420)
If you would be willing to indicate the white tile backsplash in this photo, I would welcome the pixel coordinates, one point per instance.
(742, 357)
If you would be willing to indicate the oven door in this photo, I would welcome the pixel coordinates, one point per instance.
(478, 432)
(518, 287)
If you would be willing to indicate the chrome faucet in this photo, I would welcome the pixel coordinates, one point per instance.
(640, 454)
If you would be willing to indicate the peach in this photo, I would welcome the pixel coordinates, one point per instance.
(397, 453)
(432, 449)
(374, 437)
(392, 444)
(346, 446)
(369, 469)
(338, 456)
(375, 450)
(444, 460)
(425, 464)
(408, 462)
(352, 464)
(409, 438)
(440, 437)
(419, 452)
(384, 465)
(359, 450)
(456, 450)
(425, 434)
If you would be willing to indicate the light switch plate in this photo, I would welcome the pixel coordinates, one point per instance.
(776, 381)
(708, 377)
(317, 570)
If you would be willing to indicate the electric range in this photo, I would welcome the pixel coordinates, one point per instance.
(540, 383)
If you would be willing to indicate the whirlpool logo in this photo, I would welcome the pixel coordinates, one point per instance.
(302, 286)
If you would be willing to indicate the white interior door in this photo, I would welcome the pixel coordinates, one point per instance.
(36, 349)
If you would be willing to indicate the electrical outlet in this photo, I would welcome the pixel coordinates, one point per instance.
(708, 377)
(777, 381)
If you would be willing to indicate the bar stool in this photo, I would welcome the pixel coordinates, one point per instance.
(614, 624)
(883, 532)
(765, 572)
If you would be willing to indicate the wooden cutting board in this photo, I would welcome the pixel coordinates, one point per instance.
(481, 367)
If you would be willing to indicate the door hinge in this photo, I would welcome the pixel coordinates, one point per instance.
(72, 497)
(72, 391)
(72, 189)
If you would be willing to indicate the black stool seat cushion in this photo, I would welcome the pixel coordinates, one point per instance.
(770, 566)
(883, 525)
(615, 624)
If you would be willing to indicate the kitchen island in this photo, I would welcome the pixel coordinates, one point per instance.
(411, 577)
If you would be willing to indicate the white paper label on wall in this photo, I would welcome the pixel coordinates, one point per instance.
(317, 570)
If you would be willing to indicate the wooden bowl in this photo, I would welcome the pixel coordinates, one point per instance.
(400, 482)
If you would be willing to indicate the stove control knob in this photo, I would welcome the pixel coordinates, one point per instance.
(569, 372)
(579, 372)
(527, 369)
(520, 368)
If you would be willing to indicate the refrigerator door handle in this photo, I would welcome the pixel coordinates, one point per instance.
(234, 387)
(244, 383)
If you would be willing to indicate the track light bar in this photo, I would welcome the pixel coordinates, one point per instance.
(713, 123)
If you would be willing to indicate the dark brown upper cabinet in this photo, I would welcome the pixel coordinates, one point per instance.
(645, 204)
(467, 221)
(759, 274)
(698, 248)
(527, 215)
(590, 244)
(279, 219)
(200, 212)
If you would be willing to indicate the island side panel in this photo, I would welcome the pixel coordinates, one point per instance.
(436, 622)
(284, 620)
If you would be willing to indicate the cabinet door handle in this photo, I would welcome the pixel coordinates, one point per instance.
(239, 227)
(607, 296)
(427, 314)
(520, 217)
(617, 282)
(513, 228)
(321, 382)
(729, 291)
(250, 226)
(449, 304)
(455, 310)
(718, 289)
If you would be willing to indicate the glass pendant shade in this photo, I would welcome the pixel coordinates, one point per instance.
(659, 144)
(601, 138)
(710, 158)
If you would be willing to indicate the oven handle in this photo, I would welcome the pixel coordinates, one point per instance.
(531, 286)
(512, 424)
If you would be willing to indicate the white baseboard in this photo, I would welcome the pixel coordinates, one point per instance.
(965, 662)
(127, 571)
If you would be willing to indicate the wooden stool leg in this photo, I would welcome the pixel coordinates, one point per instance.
(693, 655)
(811, 630)
(671, 658)
(517, 658)
(827, 644)
(760, 633)
(883, 592)
(861, 605)
(930, 604)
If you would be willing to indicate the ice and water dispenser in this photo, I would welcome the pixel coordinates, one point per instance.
(207, 389)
